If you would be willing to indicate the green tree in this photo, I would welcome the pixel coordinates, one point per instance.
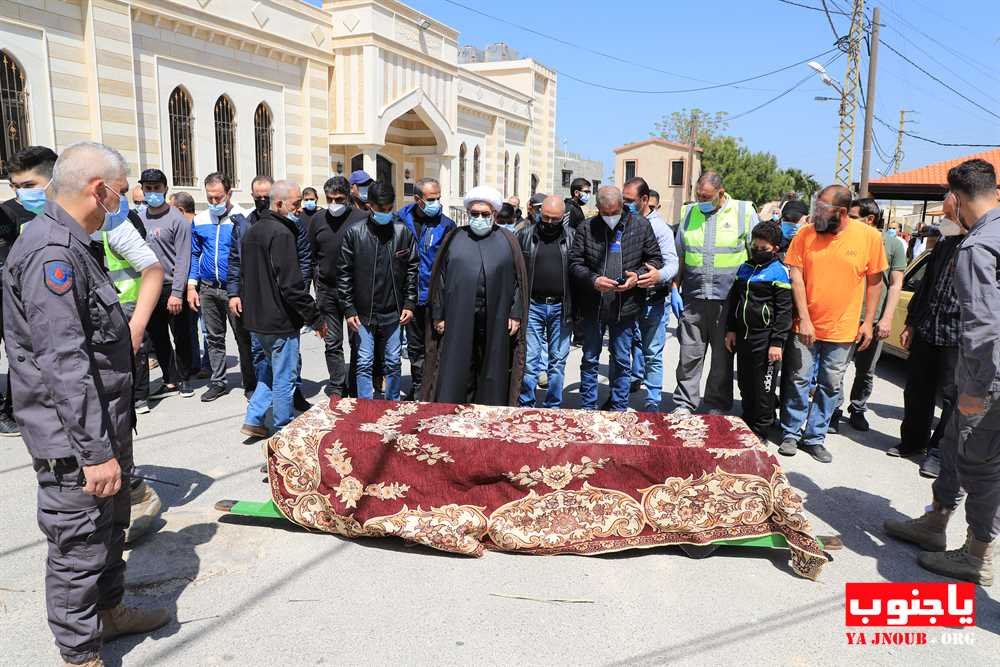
(804, 184)
(677, 126)
(753, 176)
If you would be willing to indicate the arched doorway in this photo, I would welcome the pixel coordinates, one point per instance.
(383, 167)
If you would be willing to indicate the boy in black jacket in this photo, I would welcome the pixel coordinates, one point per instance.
(759, 321)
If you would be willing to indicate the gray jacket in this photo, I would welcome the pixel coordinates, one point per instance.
(977, 284)
(67, 342)
(169, 235)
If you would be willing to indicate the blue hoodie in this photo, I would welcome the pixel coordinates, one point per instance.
(428, 242)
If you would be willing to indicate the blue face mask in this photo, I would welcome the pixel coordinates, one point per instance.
(294, 217)
(480, 226)
(776, 216)
(363, 192)
(141, 208)
(891, 232)
(155, 199)
(32, 199)
(382, 218)
(632, 207)
(309, 204)
(112, 220)
(788, 229)
(537, 217)
(509, 228)
(584, 197)
(431, 208)
(218, 210)
(707, 206)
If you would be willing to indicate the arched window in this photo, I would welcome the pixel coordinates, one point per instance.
(534, 183)
(475, 168)
(506, 173)
(462, 151)
(13, 110)
(263, 133)
(225, 138)
(517, 172)
(181, 133)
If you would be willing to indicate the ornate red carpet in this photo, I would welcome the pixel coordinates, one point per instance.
(463, 478)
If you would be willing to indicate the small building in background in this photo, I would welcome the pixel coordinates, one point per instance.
(570, 166)
(664, 166)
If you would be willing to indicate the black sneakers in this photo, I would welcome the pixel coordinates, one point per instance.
(164, 391)
(859, 422)
(9, 427)
(818, 452)
(300, 402)
(213, 392)
(185, 390)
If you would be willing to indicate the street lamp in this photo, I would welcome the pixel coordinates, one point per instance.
(824, 75)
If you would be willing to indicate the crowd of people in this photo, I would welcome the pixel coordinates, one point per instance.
(487, 312)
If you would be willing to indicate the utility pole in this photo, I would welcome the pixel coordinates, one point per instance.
(689, 172)
(866, 151)
(897, 158)
(849, 97)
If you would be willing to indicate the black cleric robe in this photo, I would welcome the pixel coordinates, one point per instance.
(463, 258)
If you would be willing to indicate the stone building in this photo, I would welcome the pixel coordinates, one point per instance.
(664, 165)
(275, 86)
(570, 166)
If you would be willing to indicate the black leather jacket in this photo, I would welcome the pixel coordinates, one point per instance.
(528, 239)
(357, 271)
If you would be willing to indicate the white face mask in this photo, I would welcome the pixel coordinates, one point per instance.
(612, 220)
(480, 226)
(336, 209)
(949, 227)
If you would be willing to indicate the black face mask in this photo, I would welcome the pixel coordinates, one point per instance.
(549, 231)
(261, 203)
(761, 257)
(826, 225)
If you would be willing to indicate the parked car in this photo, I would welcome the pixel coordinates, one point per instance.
(911, 279)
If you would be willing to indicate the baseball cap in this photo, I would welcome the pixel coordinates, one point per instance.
(794, 210)
(537, 198)
(360, 177)
(153, 176)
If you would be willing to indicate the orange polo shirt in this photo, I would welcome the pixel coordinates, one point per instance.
(835, 270)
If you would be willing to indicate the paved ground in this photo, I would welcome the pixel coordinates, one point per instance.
(253, 593)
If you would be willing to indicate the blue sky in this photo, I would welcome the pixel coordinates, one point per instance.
(741, 38)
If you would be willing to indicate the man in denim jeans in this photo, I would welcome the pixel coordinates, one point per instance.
(609, 252)
(652, 323)
(377, 287)
(275, 305)
(550, 316)
(835, 264)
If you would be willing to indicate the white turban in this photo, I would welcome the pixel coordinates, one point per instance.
(486, 194)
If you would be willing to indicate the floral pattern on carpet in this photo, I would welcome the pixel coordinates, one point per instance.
(467, 478)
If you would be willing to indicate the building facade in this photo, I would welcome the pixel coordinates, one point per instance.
(664, 165)
(569, 166)
(277, 87)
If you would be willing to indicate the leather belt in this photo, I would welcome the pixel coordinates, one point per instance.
(548, 300)
(61, 466)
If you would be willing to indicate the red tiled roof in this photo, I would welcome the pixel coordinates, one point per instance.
(937, 173)
(657, 140)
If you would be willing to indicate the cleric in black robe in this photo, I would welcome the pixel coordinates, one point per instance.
(476, 344)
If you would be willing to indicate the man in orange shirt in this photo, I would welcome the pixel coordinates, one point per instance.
(833, 263)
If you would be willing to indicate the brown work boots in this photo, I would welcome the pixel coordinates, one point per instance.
(122, 620)
(145, 508)
(973, 562)
(927, 531)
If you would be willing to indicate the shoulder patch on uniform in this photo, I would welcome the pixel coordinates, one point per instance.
(58, 276)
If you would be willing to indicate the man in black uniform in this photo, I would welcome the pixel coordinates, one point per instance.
(71, 371)
(579, 191)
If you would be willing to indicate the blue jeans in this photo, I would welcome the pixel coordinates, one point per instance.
(652, 326)
(276, 360)
(370, 341)
(547, 333)
(620, 345)
(830, 361)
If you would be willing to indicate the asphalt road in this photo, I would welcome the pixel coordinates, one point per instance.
(264, 593)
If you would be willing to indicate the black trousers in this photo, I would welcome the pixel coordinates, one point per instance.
(758, 382)
(416, 332)
(930, 369)
(175, 358)
(478, 354)
(140, 368)
(336, 365)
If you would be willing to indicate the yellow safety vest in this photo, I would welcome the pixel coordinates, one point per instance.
(125, 278)
(713, 252)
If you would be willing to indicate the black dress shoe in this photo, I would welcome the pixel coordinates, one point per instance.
(300, 402)
(835, 421)
(859, 422)
(635, 386)
(213, 392)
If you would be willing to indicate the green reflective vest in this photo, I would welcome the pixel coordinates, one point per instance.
(125, 278)
(713, 252)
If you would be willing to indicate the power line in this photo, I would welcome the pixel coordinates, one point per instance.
(826, 10)
(957, 92)
(781, 94)
(804, 6)
(729, 84)
(935, 141)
